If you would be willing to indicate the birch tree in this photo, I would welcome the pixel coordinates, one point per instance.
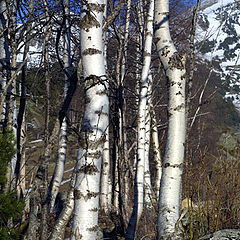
(62, 148)
(139, 179)
(170, 189)
(105, 197)
(12, 91)
(147, 175)
(86, 193)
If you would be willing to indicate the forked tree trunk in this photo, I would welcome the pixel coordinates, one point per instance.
(86, 193)
(170, 189)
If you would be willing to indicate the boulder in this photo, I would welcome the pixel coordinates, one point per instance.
(225, 234)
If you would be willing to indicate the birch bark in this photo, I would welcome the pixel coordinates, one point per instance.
(86, 193)
(63, 219)
(62, 147)
(21, 118)
(123, 132)
(147, 176)
(105, 197)
(12, 91)
(156, 150)
(139, 179)
(170, 189)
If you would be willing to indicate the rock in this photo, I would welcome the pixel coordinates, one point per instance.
(225, 234)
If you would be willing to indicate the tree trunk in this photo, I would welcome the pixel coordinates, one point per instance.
(64, 217)
(104, 201)
(95, 123)
(156, 151)
(45, 161)
(148, 194)
(139, 179)
(170, 189)
(4, 57)
(12, 108)
(105, 197)
(62, 147)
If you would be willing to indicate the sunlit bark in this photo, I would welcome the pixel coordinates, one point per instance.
(62, 147)
(139, 179)
(86, 192)
(170, 189)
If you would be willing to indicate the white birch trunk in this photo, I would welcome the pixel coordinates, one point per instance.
(139, 50)
(12, 119)
(86, 193)
(59, 169)
(148, 194)
(64, 217)
(62, 148)
(139, 180)
(12, 108)
(105, 176)
(147, 175)
(122, 117)
(170, 190)
(125, 41)
(156, 150)
(105, 197)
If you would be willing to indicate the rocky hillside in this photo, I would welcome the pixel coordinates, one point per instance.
(218, 37)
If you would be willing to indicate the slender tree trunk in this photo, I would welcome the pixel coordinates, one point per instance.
(62, 148)
(148, 194)
(118, 128)
(44, 163)
(156, 150)
(21, 124)
(4, 56)
(12, 108)
(86, 192)
(105, 177)
(123, 134)
(147, 175)
(170, 190)
(105, 197)
(139, 180)
(12, 119)
(66, 213)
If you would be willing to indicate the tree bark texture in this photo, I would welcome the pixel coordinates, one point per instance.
(170, 189)
(95, 123)
(139, 179)
(62, 145)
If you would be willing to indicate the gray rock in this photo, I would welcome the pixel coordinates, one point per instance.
(226, 234)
